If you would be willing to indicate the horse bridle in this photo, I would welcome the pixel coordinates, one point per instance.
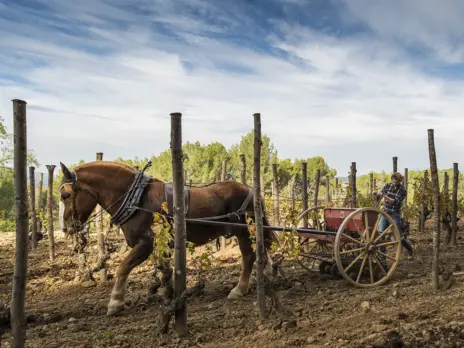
(77, 225)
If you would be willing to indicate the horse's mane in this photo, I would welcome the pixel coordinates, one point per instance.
(106, 164)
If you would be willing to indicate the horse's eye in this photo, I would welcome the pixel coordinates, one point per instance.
(65, 195)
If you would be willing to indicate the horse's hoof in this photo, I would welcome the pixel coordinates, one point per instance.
(114, 310)
(235, 294)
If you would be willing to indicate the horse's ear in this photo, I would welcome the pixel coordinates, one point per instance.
(66, 173)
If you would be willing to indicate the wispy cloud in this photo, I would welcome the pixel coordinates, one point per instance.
(342, 80)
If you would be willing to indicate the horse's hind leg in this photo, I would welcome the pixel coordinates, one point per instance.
(248, 258)
(141, 251)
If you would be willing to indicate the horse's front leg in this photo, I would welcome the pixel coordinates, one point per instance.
(248, 258)
(140, 252)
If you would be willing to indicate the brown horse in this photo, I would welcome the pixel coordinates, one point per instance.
(131, 197)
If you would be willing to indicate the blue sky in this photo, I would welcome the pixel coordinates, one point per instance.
(356, 80)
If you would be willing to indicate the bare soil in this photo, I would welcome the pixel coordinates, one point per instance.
(406, 312)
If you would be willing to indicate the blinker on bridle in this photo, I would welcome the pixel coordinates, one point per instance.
(76, 187)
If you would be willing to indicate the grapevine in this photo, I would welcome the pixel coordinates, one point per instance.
(162, 256)
(164, 236)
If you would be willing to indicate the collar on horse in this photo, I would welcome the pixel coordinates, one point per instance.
(133, 197)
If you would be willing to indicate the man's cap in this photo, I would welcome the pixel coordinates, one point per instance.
(398, 176)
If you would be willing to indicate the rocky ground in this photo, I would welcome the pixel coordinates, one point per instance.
(405, 312)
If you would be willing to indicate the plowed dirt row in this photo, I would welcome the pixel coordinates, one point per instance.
(404, 313)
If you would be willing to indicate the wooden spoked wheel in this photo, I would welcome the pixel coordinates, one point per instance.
(364, 256)
(315, 216)
(309, 247)
(312, 248)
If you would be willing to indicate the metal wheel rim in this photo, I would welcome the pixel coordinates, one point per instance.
(338, 240)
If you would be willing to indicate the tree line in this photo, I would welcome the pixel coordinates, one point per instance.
(203, 164)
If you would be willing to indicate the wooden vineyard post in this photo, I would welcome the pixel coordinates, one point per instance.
(395, 164)
(222, 240)
(371, 183)
(424, 202)
(32, 207)
(39, 201)
(327, 191)
(304, 178)
(180, 267)
(275, 193)
(17, 312)
(260, 251)
(102, 273)
(336, 188)
(436, 201)
(446, 222)
(243, 168)
(353, 184)
(51, 237)
(292, 194)
(446, 183)
(223, 170)
(406, 174)
(316, 188)
(454, 205)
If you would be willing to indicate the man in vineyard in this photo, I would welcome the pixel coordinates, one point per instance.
(393, 195)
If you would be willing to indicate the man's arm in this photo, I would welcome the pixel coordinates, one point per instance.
(401, 195)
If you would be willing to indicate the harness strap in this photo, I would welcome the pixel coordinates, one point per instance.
(235, 214)
(130, 204)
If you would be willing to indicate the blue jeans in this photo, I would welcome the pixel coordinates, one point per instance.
(384, 223)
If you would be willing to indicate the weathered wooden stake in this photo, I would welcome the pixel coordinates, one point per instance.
(446, 184)
(353, 184)
(292, 194)
(371, 183)
(102, 274)
(51, 232)
(223, 240)
(260, 251)
(436, 201)
(180, 274)
(39, 200)
(327, 191)
(446, 217)
(406, 182)
(304, 178)
(454, 205)
(316, 187)
(275, 189)
(395, 164)
(223, 170)
(243, 168)
(424, 208)
(17, 312)
(32, 207)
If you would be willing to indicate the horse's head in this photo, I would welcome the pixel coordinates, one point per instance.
(78, 200)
